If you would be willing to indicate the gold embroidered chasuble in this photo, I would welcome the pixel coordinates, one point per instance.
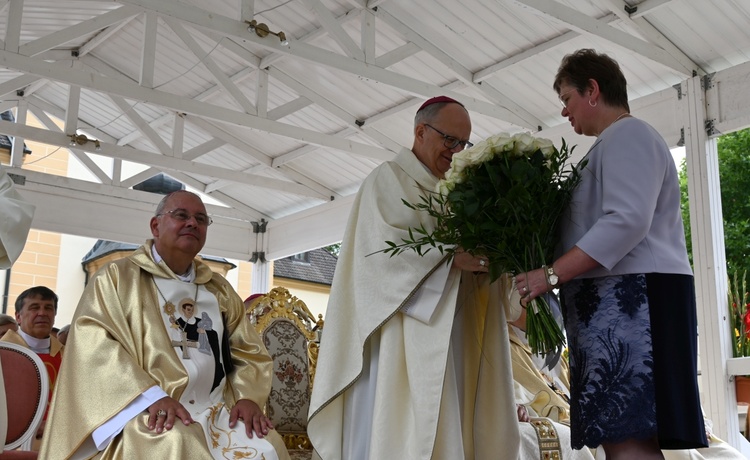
(444, 390)
(121, 346)
(546, 401)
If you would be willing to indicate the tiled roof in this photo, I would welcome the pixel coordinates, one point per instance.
(103, 247)
(319, 268)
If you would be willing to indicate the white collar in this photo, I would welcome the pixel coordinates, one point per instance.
(39, 346)
(187, 277)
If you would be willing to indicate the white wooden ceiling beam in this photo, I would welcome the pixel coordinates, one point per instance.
(6, 105)
(304, 179)
(137, 134)
(488, 72)
(428, 41)
(87, 27)
(246, 211)
(261, 93)
(281, 160)
(71, 111)
(369, 32)
(247, 10)
(242, 146)
(102, 36)
(289, 172)
(116, 171)
(312, 228)
(148, 49)
(142, 125)
(228, 27)
(306, 90)
(65, 205)
(59, 113)
(98, 82)
(288, 108)
(272, 58)
(14, 84)
(337, 33)
(137, 178)
(12, 39)
(205, 58)
(161, 161)
(202, 149)
(87, 162)
(34, 87)
(651, 33)
(307, 149)
(397, 55)
(585, 24)
(410, 104)
(649, 6)
(230, 45)
(178, 135)
(166, 118)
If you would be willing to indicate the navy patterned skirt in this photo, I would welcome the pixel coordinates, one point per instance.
(633, 351)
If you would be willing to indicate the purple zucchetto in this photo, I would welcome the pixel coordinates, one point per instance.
(437, 100)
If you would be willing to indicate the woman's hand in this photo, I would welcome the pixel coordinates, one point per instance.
(531, 285)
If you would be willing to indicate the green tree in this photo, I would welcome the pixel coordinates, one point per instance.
(333, 249)
(734, 175)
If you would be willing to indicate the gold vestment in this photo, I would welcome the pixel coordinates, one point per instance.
(118, 348)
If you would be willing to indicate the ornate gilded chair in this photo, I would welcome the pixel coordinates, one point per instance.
(291, 335)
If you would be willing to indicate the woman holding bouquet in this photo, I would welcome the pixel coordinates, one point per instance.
(624, 276)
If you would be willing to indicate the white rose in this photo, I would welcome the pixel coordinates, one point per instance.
(545, 145)
(458, 164)
(481, 152)
(501, 142)
(523, 144)
(444, 187)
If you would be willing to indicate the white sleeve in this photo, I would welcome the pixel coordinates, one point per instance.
(424, 302)
(103, 435)
(15, 221)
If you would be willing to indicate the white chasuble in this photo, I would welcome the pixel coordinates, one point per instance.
(15, 221)
(196, 339)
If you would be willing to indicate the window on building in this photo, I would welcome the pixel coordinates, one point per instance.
(302, 258)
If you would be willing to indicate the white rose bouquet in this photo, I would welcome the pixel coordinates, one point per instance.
(503, 198)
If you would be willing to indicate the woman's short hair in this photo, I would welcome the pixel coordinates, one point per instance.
(578, 68)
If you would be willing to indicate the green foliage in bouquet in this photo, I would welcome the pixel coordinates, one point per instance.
(503, 199)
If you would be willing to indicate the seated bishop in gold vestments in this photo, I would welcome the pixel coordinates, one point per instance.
(139, 381)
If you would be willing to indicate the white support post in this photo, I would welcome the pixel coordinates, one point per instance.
(16, 154)
(261, 277)
(709, 260)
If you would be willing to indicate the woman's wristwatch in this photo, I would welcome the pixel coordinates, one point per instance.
(552, 278)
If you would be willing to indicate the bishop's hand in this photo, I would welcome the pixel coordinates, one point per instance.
(162, 413)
